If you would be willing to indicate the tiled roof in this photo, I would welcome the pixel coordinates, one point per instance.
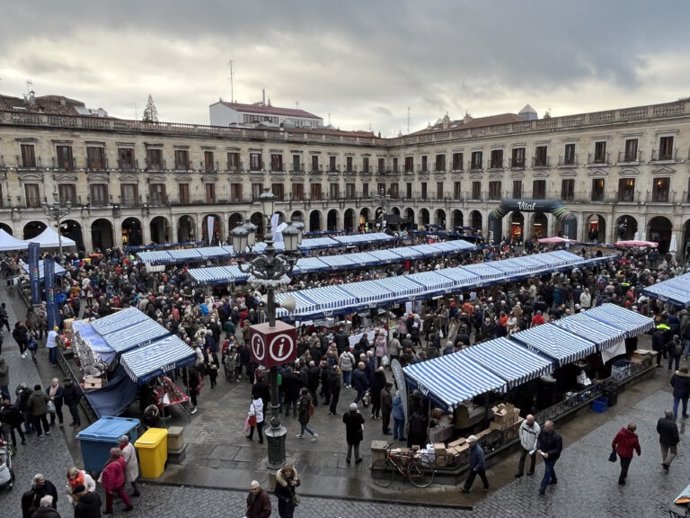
(479, 122)
(50, 104)
(270, 110)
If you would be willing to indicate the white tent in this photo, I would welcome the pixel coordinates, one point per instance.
(49, 239)
(9, 243)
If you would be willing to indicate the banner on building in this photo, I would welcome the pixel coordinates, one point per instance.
(34, 275)
(209, 228)
(51, 304)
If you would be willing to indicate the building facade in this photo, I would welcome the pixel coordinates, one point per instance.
(623, 173)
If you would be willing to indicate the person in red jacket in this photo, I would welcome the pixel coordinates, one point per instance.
(625, 443)
(113, 480)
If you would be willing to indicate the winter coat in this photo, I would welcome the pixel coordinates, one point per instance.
(529, 435)
(257, 409)
(334, 381)
(477, 459)
(680, 382)
(88, 506)
(398, 410)
(45, 512)
(258, 505)
(38, 403)
(4, 373)
(290, 386)
(360, 382)
(386, 401)
(354, 421)
(625, 443)
(113, 474)
(304, 406)
(129, 453)
(668, 431)
(284, 490)
(347, 362)
(11, 416)
(551, 443)
(71, 394)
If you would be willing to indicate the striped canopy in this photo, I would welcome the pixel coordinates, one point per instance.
(157, 358)
(582, 325)
(120, 320)
(137, 335)
(556, 343)
(675, 290)
(615, 316)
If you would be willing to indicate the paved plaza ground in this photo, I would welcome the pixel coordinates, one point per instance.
(221, 462)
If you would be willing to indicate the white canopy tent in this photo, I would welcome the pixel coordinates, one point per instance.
(50, 239)
(9, 243)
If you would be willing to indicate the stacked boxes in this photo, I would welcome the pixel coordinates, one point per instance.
(505, 416)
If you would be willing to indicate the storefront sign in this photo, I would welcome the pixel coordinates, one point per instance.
(34, 276)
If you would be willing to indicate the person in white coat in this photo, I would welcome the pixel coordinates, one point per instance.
(528, 432)
(130, 456)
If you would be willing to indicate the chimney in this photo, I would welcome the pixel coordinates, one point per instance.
(263, 97)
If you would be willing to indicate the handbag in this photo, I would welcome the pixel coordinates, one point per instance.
(51, 406)
(252, 420)
(612, 456)
(295, 499)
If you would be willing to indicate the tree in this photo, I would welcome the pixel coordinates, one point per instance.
(150, 112)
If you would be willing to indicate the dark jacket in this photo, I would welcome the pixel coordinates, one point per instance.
(334, 380)
(11, 416)
(290, 386)
(668, 431)
(360, 382)
(353, 426)
(258, 505)
(45, 512)
(304, 406)
(477, 459)
(38, 403)
(386, 401)
(377, 386)
(71, 393)
(680, 382)
(625, 443)
(48, 488)
(551, 443)
(88, 506)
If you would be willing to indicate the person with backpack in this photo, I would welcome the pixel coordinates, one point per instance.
(305, 409)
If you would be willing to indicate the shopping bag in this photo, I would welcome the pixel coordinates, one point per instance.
(612, 456)
(385, 361)
(247, 426)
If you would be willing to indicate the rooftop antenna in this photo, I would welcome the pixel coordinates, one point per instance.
(329, 118)
(29, 84)
(232, 83)
(408, 119)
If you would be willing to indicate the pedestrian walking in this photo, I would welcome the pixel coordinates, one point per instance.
(346, 362)
(287, 481)
(258, 502)
(46, 509)
(354, 432)
(131, 463)
(669, 438)
(675, 350)
(379, 381)
(398, 418)
(477, 465)
(194, 386)
(305, 409)
(529, 433)
(87, 503)
(625, 443)
(360, 382)
(680, 381)
(11, 417)
(256, 419)
(71, 396)
(78, 477)
(54, 393)
(4, 379)
(334, 381)
(386, 408)
(113, 480)
(51, 344)
(38, 408)
(549, 446)
(41, 487)
(4, 319)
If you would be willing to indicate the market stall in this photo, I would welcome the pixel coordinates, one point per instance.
(675, 291)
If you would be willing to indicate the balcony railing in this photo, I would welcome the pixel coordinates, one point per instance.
(496, 164)
(627, 157)
(66, 164)
(155, 165)
(598, 159)
(516, 163)
(567, 160)
(541, 162)
(97, 165)
(475, 166)
(665, 155)
(125, 165)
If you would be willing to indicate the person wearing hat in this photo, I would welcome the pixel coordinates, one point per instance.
(87, 503)
(354, 432)
(477, 465)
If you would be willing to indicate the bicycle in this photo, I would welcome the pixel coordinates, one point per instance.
(409, 465)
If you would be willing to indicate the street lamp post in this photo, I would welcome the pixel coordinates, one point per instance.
(269, 270)
(56, 212)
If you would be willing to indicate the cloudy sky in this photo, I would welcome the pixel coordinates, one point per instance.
(359, 63)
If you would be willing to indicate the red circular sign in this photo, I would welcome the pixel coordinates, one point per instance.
(282, 347)
(258, 347)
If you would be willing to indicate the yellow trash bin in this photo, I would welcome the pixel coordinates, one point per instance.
(152, 447)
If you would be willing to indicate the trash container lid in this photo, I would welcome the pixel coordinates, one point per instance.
(108, 429)
(152, 438)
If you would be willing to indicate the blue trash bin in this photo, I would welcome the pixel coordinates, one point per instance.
(97, 439)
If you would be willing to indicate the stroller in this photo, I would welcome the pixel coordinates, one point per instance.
(6, 471)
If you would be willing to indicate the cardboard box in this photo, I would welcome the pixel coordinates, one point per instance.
(93, 382)
(439, 448)
(457, 442)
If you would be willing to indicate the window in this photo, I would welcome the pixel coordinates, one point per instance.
(425, 163)
(276, 162)
(476, 190)
(315, 163)
(666, 148)
(257, 189)
(497, 159)
(382, 165)
(395, 191)
(495, 190)
(457, 191)
(181, 160)
(365, 164)
(125, 158)
(183, 192)
(209, 162)
(517, 189)
(539, 189)
(395, 164)
(157, 193)
(233, 161)
(350, 191)
(332, 166)
(660, 189)
(255, 162)
(316, 192)
(568, 189)
(540, 156)
(348, 164)
(600, 156)
(95, 158)
(626, 189)
(129, 193)
(424, 190)
(335, 191)
(278, 190)
(630, 154)
(33, 198)
(2, 203)
(64, 157)
(409, 164)
(381, 188)
(598, 185)
(439, 190)
(440, 162)
(296, 163)
(298, 191)
(210, 192)
(67, 192)
(476, 160)
(154, 158)
(457, 162)
(408, 190)
(518, 158)
(28, 155)
(569, 154)
(236, 192)
(99, 194)
(365, 190)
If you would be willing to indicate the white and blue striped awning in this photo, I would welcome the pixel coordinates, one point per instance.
(408, 252)
(455, 245)
(317, 242)
(675, 290)
(452, 379)
(567, 257)
(125, 318)
(155, 257)
(630, 322)
(304, 306)
(484, 271)
(137, 335)
(401, 285)
(338, 261)
(213, 275)
(213, 252)
(460, 276)
(386, 256)
(432, 280)
(363, 259)
(424, 250)
(556, 343)
(367, 292)
(185, 254)
(310, 265)
(362, 239)
(509, 360)
(582, 325)
(157, 358)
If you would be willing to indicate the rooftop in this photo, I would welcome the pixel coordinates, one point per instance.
(265, 109)
(48, 104)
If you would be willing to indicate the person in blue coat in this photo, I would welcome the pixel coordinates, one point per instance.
(398, 418)
(477, 465)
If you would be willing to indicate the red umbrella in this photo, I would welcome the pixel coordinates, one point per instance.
(636, 244)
